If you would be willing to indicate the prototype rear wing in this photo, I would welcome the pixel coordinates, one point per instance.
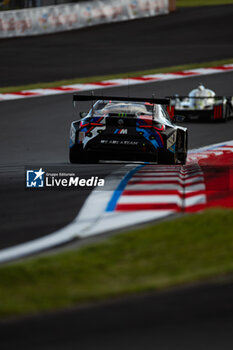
(152, 100)
(198, 98)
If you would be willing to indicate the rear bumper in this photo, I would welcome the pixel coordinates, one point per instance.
(122, 147)
(122, 155)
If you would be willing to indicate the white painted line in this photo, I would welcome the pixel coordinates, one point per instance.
(181, 179)
(155, 173)
(149, 199)
(199, 199)
(166, 180)
(118, 220)
(195, 187)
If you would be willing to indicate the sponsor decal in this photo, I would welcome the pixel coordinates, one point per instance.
(117, 142)
(171, 140)
(81, 136)
(43, 20)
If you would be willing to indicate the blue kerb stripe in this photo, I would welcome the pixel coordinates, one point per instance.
(117, 193)
(216, 147)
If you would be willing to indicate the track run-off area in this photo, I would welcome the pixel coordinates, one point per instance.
(38, 135)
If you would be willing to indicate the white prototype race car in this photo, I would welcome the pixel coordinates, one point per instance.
(202, 104)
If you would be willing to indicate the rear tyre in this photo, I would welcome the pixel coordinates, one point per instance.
(167, 157)
(76, 154)
(183, 156)
(225, 113)
(92, 159)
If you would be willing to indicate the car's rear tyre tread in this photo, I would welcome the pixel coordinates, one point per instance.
(167, 157)
(76, 155)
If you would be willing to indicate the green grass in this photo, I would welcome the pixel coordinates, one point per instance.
(114, 76)
(188, 3)
(188, 249)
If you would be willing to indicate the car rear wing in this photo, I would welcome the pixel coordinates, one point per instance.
(152, 100)
(198, 98)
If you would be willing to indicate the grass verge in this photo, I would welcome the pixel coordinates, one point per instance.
(191, 3)
(114, 76)
(188, 249)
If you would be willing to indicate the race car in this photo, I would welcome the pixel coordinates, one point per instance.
(202, 104)
(131, 129)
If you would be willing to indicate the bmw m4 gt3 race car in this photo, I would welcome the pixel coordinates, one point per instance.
(202, 104)
(132, 129)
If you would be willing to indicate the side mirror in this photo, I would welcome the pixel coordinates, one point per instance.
(178, 119)
(83, 114)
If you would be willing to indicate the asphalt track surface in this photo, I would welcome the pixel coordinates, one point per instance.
(35, 132)
(193, 318)
(189, 35)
